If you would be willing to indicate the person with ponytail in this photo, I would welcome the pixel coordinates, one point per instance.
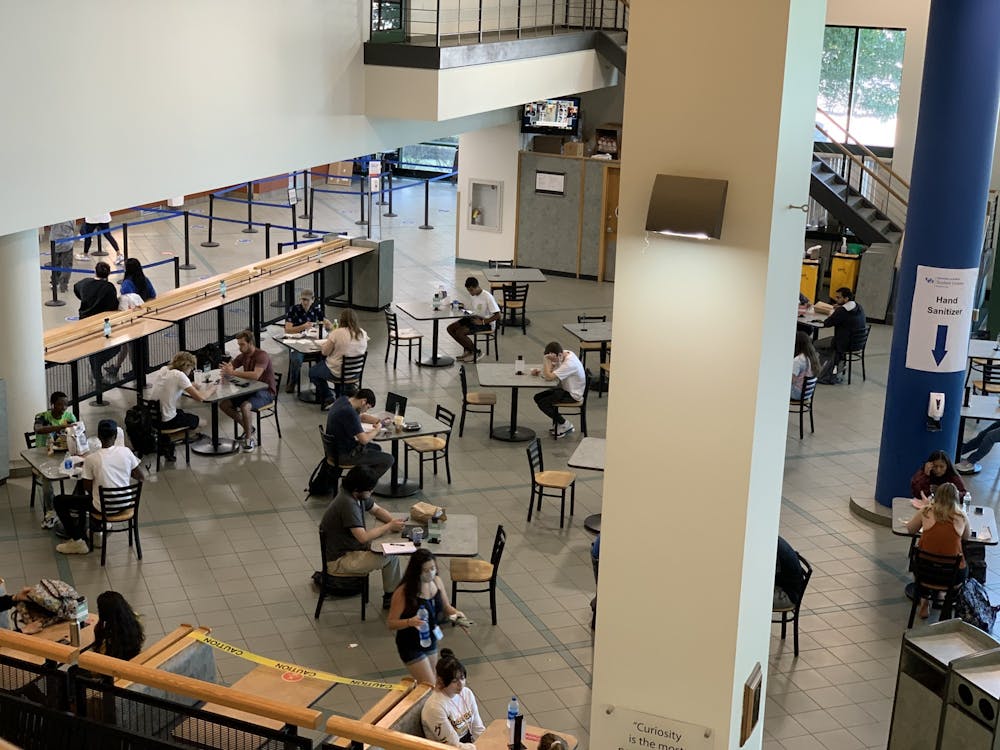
(450, 714)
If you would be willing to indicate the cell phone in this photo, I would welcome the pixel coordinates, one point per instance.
(978, 511)
(973, 535)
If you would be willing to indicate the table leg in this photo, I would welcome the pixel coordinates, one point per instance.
(215, 446)
(434, 360)
(394, 487)
(961, 436)
(512, 433)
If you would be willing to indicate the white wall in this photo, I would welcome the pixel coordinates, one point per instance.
(108, 104)
(489, 154)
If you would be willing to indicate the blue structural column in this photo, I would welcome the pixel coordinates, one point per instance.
(956, 131)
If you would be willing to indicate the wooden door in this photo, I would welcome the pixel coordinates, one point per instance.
(609, 235)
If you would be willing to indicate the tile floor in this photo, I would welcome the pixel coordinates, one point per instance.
(230, 544)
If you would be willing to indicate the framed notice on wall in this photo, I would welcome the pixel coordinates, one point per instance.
(550, 183)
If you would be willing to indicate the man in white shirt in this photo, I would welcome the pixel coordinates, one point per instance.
(111, 466)
(101, 224)
(564, 367)
(483, 312)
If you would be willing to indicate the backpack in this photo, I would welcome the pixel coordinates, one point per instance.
(210, 354)
(323, 480)
(48, 602)
(972, 605)
(141, 430)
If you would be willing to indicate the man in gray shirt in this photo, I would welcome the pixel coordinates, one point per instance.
(62, 251)
(348, 541)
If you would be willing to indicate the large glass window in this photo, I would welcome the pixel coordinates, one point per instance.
(434, 156)
(859, 83)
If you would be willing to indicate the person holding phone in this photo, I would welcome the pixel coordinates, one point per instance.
(937, 470)
(483, 312)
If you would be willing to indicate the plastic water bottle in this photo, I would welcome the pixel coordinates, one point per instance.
(424, 629)
(222, 288)
(107, 328)
(513, 709)
(967, 502)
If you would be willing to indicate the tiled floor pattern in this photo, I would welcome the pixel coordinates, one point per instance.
(229, 542)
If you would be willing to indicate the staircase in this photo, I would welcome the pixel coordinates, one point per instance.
(850, 207)
(611, 49)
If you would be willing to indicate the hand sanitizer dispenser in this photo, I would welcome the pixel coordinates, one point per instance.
(935, 410)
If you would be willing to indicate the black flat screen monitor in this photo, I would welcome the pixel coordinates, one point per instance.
(552, 117)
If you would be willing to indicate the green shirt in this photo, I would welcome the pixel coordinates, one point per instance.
(46, 418)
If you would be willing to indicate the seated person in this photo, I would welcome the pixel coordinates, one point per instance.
(250, 364)
(118, 632)
(46, 423)
(301, 317)
(551, 741)
(978, 447)
(348, 540)
(168, 384)
(788, 577)
(450, 714)
(805, 363)
(937, 470)
(348, 339)
(484, 313)
(847, 320)
(564, 367)
(354, 444)
(943, 525)
(112, 466)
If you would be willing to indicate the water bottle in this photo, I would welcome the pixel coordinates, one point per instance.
(107, 328)
(424, 629)
(513, 709)
(967, 502)
(68, 464)
(222, 288)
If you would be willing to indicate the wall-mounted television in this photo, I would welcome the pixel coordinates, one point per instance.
(552, 117)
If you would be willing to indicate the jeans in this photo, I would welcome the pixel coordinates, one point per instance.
(295, 360)
(63, 258)
(982, 443)
(319, 373)
(547, 401)
(371, 456)
(73, 511)
(828, 355)
(105, 229)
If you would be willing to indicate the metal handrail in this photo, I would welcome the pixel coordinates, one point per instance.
(868, 152)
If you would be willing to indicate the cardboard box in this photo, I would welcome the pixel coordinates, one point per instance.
(573, 148)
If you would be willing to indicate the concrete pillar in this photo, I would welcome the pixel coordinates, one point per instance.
(22, 363)
(956, 133)
(704, 331)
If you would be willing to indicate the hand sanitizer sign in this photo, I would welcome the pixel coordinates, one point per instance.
(940, 319)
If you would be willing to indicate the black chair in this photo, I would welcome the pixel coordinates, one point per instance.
(332, 459)
(542, 480)
(119, 505)
(430, 447)
(515, 302)
(486, 337)
(494, 288)
(933, 575)
(591, 346)
(31, 440)
(573, 408)
(856, 352)
(804, 404)
(174, 435)
(468, 570)
(327, 581)
(990, 381)
(352, 370)
(392, 400)
(401, 337)
(267, 410)
(475, 402)
(792, 613)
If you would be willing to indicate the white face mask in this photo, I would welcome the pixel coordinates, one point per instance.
(428, 576)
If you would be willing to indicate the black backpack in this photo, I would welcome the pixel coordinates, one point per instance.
(972, 605)
(323, 480)
(141, 429)
(210, 354)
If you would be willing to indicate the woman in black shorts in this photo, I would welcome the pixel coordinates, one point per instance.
(421, 588)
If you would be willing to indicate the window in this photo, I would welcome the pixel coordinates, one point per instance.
(859, 83)
(434, 156)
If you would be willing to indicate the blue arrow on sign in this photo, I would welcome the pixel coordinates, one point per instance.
(939, 351)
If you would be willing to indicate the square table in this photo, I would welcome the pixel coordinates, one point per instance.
(503, 376)
(514, 276)
(459, 538)
(426, 311)
(589, 454)
(428, 426)
(903, 510)
(231, 388)
(308, 346)
(980, 407)
(593, 332)
(984, 349)
(50, 467)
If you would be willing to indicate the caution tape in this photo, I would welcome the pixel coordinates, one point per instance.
(292, 672)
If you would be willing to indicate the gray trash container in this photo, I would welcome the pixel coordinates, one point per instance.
(922, 680)
(972, 703)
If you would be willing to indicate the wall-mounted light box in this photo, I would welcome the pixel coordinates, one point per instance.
(687, 207)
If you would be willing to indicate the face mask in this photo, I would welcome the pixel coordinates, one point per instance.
(428, 576)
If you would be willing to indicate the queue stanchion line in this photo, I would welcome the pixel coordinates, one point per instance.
(249, 228)
(306, 185)
(55, 301)
(125, 240)
(100, 251)
(211, 220)
(267, 240)
(188, 265)
(177, 271)
(361, 195)
(310, 211)
(427, 206)
(392, 214)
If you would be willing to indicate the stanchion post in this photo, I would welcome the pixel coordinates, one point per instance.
(427, 206)
(250, 229)
(391, 214)
(267, 240)
(55, 301)
(125, 240)
(305, 191)
(361, 194)
(295, 225)
(211, 221)
(177, 272)
(188, 266)
(311, 201)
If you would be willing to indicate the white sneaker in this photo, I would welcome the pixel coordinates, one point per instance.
(120, 260)
(73, 547)
(967, 467)
(564, 429)
(98, 539)
(81, 256)
(50, 519)
(249, 444)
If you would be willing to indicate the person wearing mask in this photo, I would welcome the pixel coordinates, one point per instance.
(250, 364)
(118, 632)
(805, 363)
(483, 313)
(937, 470)
(450, 714)
(46, 423)
(348, 540)
(347, 340)
(101, 224)
(942, 525)
(300, 317)
(564, 367)
(169, 383)
(421, 587)
(847, 320)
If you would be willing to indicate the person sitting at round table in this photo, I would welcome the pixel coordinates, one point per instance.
(943, 525)
(347, 340)
(118, 632)
(450, 714)
(421, 587)
(805, 363)
(937, 470)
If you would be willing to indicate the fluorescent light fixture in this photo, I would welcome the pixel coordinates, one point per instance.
(690, 207)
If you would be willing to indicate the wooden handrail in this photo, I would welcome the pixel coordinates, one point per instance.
(199, 690)
(374, 735)
(374, 714)
(861, 165)
(868, 152)
(29, 644)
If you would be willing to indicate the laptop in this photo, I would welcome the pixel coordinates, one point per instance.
(394, 400)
